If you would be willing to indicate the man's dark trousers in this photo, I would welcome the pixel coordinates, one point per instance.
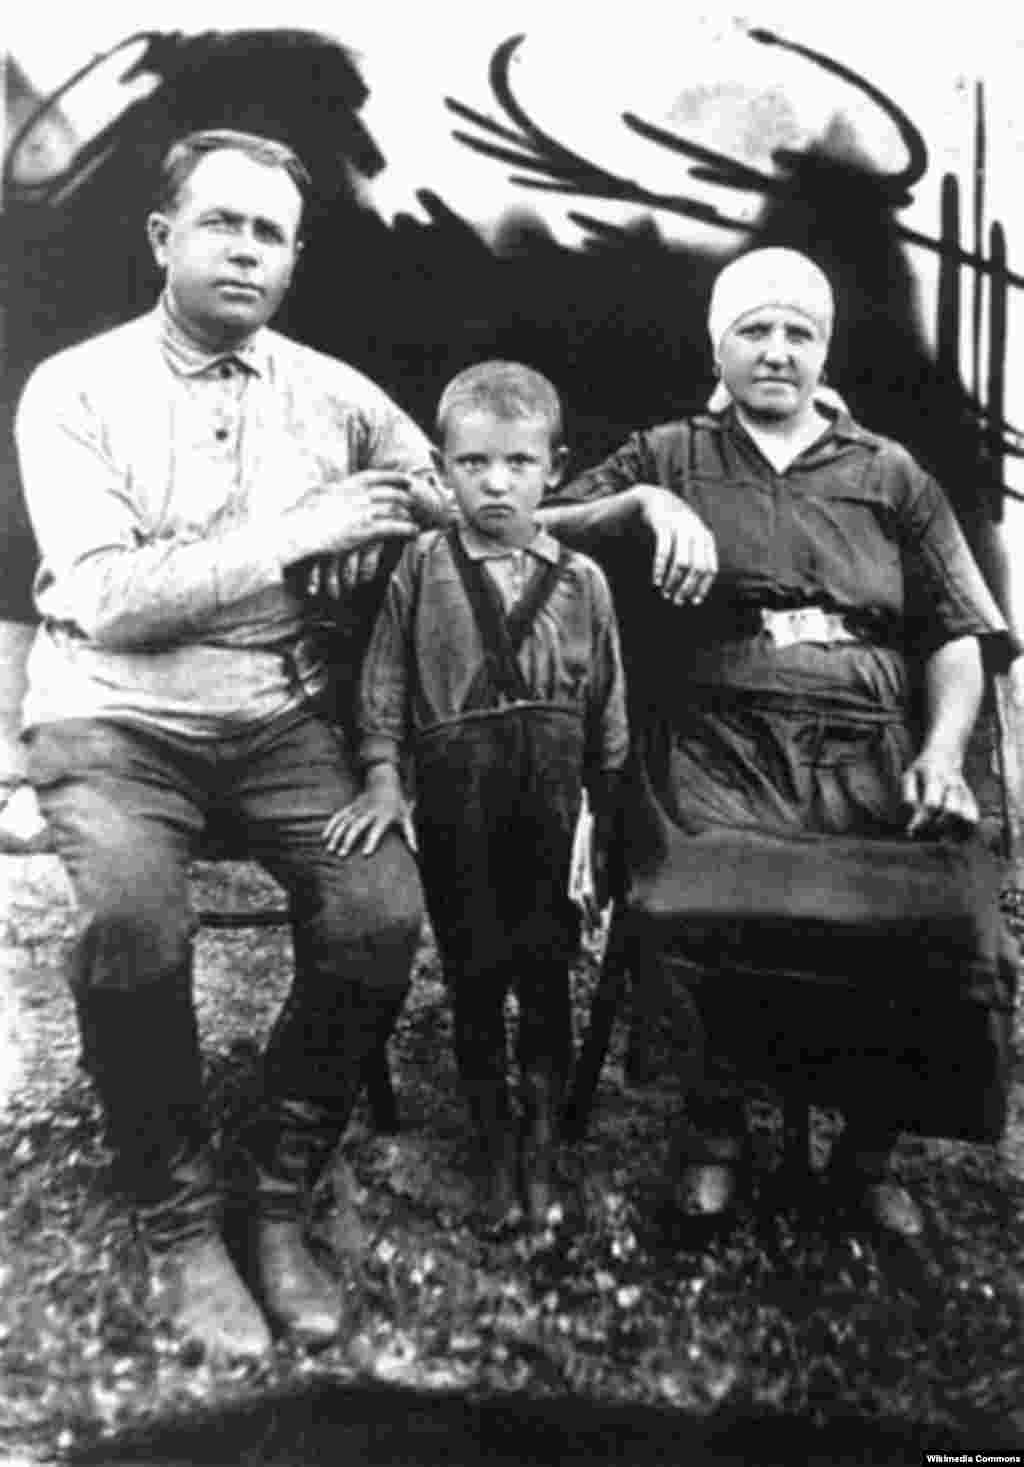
(127, 805)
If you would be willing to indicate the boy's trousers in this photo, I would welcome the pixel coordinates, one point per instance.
(498, 793)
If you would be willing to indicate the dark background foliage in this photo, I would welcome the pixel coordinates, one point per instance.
(619, 323)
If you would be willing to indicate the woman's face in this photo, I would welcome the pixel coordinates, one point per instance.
(771, 361)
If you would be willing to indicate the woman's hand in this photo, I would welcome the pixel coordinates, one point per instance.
(685, 558)
(371, 815)
(934, 788)
(940, 800)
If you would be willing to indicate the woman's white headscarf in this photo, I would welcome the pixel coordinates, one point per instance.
(769, 277)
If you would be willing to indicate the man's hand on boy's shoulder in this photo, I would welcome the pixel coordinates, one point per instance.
(361, 826)
(431, 506)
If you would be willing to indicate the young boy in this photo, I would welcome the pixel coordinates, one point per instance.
(496, 660)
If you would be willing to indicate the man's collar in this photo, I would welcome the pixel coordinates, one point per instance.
(543, 545)
(186, 357)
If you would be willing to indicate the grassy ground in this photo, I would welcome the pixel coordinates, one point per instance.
(606, 1334)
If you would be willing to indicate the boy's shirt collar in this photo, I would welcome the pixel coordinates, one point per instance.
(543, 545)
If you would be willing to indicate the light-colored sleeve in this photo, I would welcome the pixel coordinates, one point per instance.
(382, 715)
(101, 570)
(389, 439)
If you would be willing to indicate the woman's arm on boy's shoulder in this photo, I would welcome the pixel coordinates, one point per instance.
(624, 492)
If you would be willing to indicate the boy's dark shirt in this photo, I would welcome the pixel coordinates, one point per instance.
(426, 651)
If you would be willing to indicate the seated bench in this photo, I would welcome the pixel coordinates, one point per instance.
(634, 960)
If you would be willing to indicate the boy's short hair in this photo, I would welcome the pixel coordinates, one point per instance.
(185, 155)
(506, 389)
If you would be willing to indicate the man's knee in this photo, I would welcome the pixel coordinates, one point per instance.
(373, 910)
(129, 938)
(118, 839)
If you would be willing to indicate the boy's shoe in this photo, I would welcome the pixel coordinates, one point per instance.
(862, 1173)
(296, 1293)
(889, 1205)
(711, 1165)
(707, 1188)
(537, 1172)
(198, 1292)
(539, 1187)
(500, 1199)
(543, 1097)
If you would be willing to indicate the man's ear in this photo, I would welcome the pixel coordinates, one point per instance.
(559, 464)
(158, 228)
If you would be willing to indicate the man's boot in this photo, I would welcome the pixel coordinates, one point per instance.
(194, 1285)
(144, 1061)
(318, 1048)
(143, 1056)
(289, 1145)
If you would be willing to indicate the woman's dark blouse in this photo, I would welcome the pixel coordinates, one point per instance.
(740, 729)
(854, 524)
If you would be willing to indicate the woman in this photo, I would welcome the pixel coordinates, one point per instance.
(845, 604)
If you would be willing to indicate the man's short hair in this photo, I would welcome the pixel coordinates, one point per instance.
(184, 156)
(506, 389)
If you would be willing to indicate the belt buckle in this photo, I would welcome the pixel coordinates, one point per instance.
(804, 624)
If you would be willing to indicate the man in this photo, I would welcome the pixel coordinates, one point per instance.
(176, 470)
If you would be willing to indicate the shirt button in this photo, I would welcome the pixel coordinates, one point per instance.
(221, 434)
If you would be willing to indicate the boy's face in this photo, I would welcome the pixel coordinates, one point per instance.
(499, 469)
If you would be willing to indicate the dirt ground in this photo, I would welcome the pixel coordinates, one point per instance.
(793, 1319)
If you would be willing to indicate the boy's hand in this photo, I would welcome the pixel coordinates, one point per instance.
(370, 816)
